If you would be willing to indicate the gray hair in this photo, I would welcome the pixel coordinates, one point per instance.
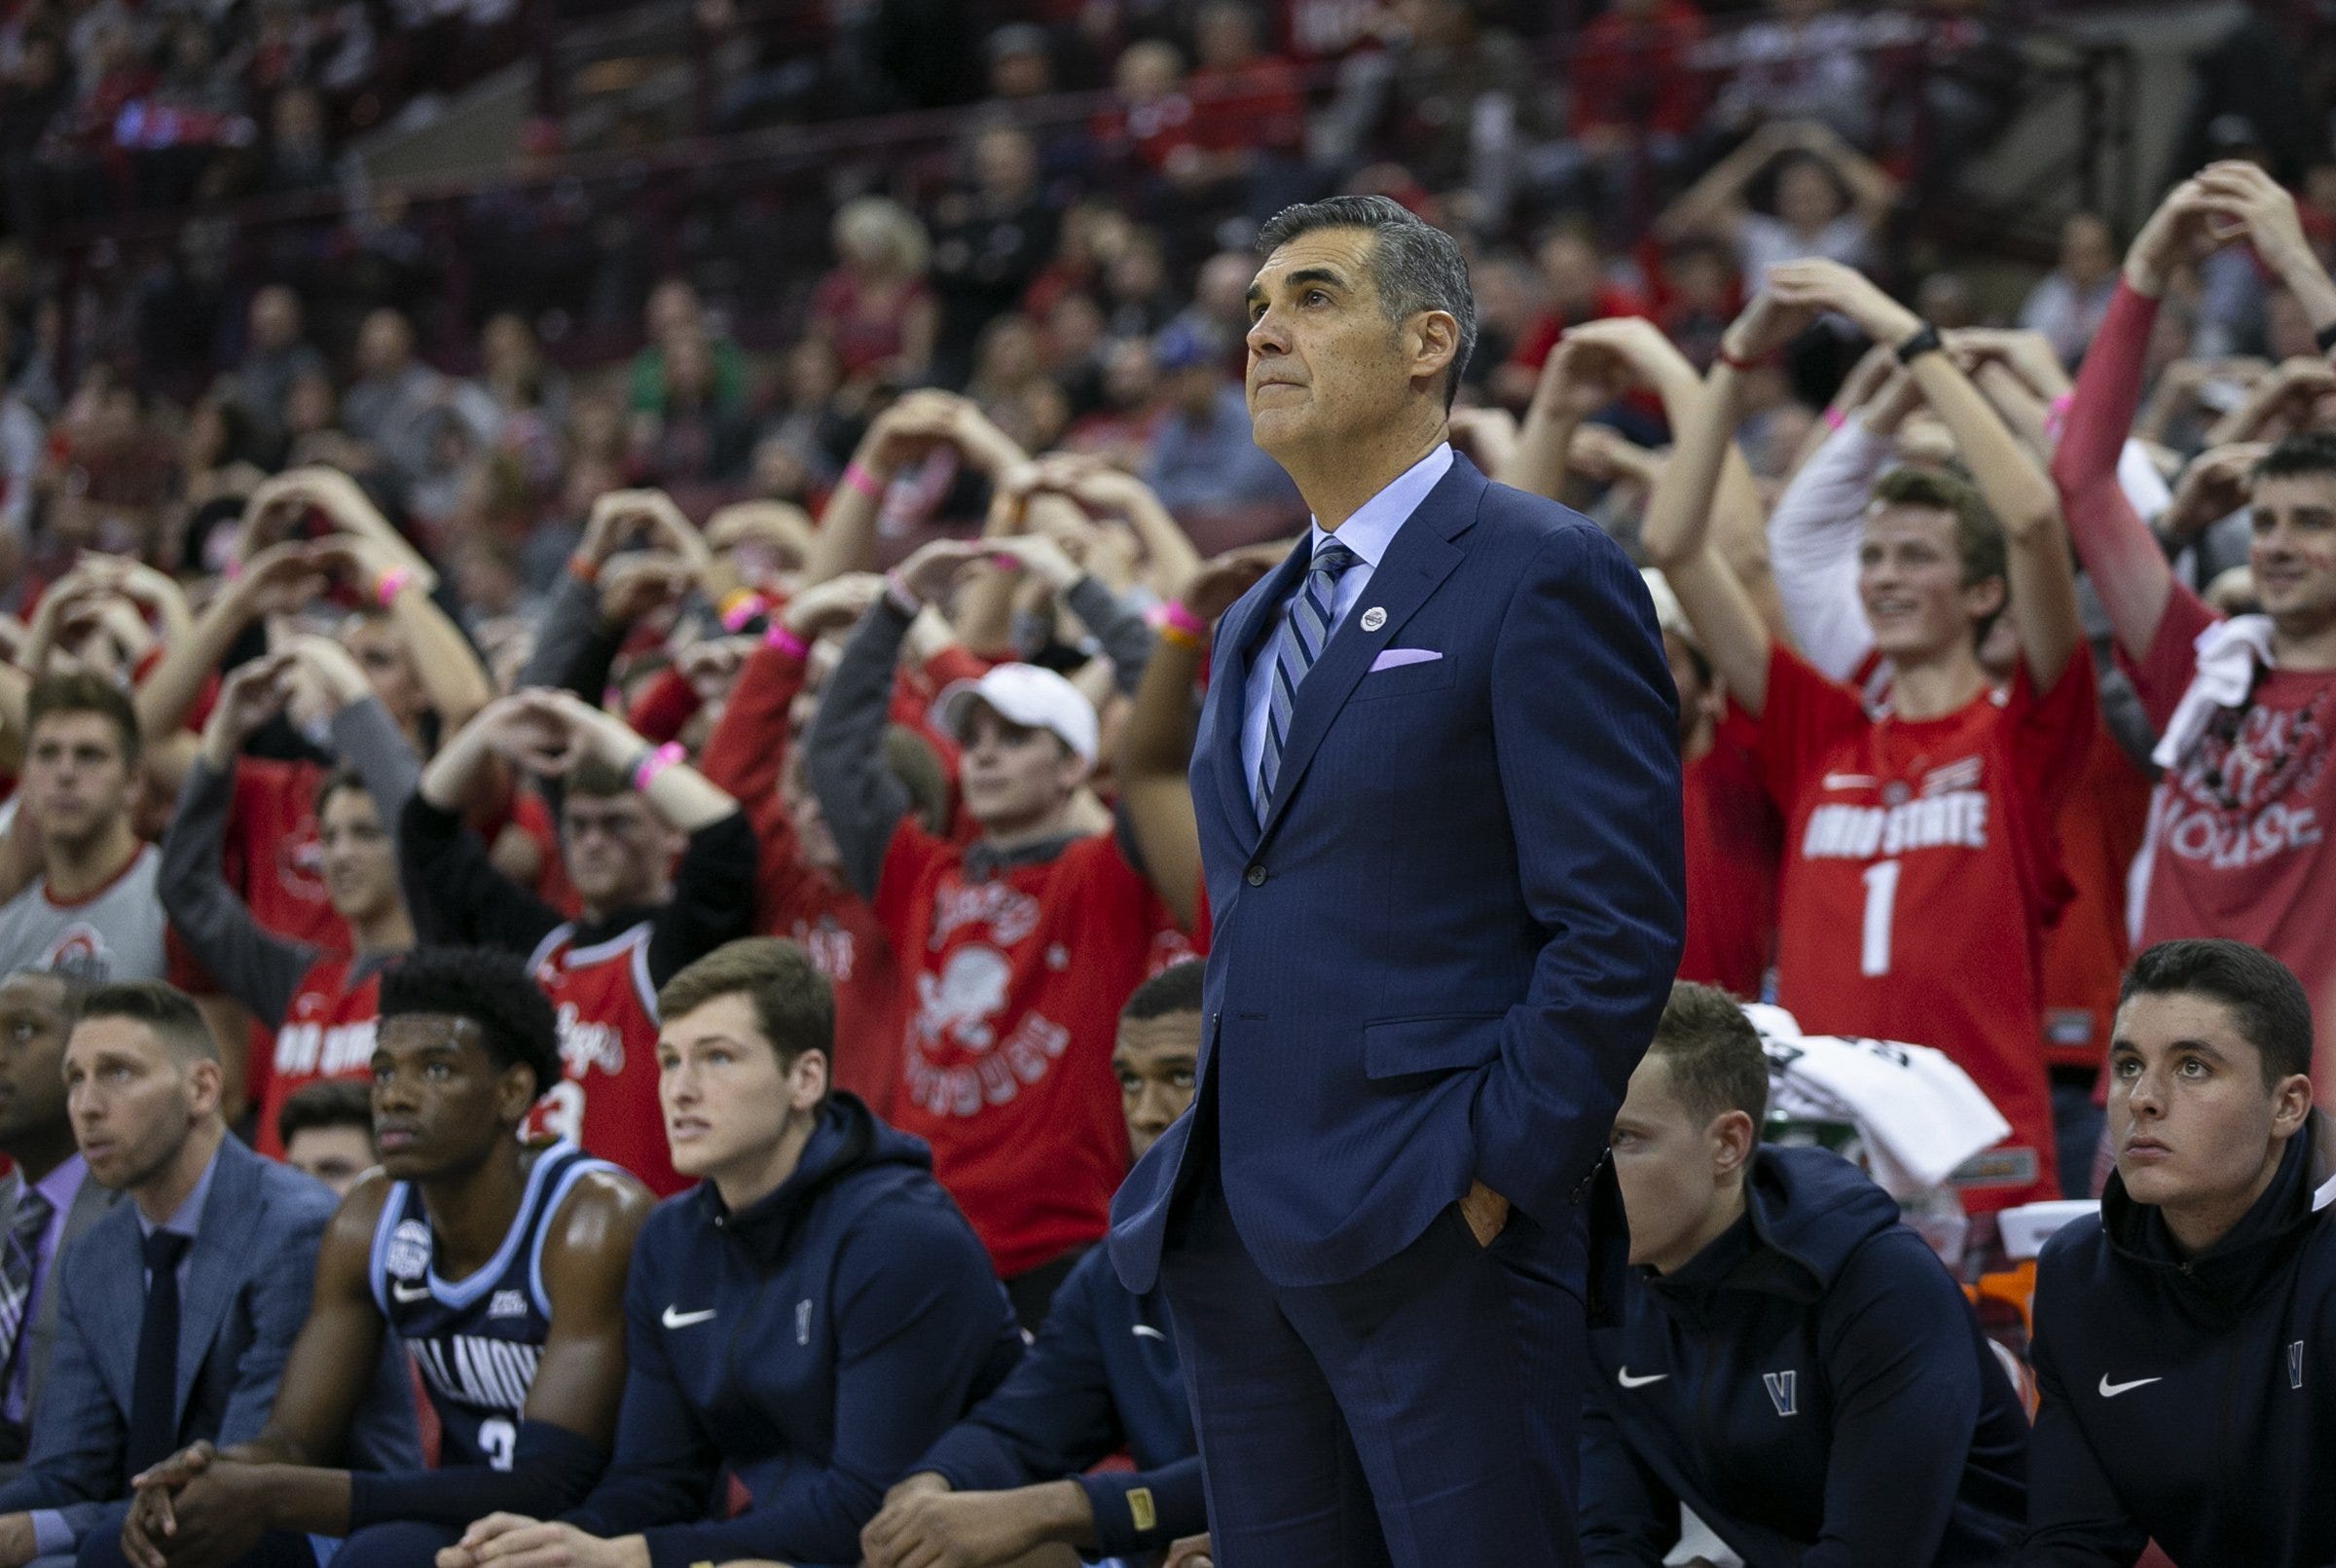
(1414, 266)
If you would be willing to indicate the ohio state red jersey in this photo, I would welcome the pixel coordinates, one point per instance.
(607, 1009)
(1920, 874)
(328, 1033)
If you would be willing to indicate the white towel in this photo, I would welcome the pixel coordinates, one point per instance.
(2228, 653)
(1918, 1114)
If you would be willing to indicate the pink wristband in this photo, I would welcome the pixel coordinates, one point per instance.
(390, 584)
(1834, 419)
(785, 641)
(655, 763)
(741, 610)
(2056, 415)
(1170, 615)
(856, 476)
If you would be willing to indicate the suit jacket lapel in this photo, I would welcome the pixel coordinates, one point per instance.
(1418, 560)
(90, 1204)
(1248, 627)
(214, 1262)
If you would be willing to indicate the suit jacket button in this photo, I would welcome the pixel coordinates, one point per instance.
(1254, 876)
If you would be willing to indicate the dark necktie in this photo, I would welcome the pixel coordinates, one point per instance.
(153, 1391)
(1305, 628)
(19, 1266)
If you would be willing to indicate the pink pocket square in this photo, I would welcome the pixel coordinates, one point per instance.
(1396, 658)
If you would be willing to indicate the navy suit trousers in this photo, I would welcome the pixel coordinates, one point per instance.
(1422, 1415)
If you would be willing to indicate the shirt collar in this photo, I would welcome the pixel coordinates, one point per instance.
(1371, 529)
(187, 1218)
(62, 1185)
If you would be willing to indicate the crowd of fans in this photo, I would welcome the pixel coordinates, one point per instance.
(2002, 640)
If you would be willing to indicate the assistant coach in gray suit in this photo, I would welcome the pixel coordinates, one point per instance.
(177, 1309)
(46, 1200)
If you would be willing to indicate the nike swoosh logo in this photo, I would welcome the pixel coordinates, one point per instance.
(420, 1292)
(682, 1320)
(1144, 1330)
(1623, 1377)
(2109, 1390)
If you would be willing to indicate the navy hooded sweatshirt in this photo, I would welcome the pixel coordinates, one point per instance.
(813, 1344)
(1813, 1384)
(1102, 1376)
(2190, 1400)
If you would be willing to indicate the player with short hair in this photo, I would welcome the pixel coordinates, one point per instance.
(807, 1319)
(1018, 1471)
(501, 1267)
(2182, 1334)
(1778, 1353)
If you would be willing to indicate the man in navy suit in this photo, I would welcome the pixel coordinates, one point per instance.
(1437, 784)
(216, 1245)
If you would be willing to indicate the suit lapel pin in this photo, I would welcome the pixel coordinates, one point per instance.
(1373, 618)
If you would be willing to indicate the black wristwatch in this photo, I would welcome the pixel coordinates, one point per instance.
(1923, 341)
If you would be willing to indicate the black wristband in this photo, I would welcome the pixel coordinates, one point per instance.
(2325, 337)
(1924, 340)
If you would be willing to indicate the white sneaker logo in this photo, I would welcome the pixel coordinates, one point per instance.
(1623, 1377)
(2109, 1390)
(399, 1292)
(676, 1319)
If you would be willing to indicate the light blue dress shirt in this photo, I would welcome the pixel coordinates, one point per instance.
(1368, 534)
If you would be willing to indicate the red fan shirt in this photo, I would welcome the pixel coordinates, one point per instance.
(327, 1034)
(2238, 836)
(607, 1011)
(1733, 838)
(1013, 986)
(1919, 874)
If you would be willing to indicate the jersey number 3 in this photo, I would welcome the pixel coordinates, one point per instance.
(498, 1439)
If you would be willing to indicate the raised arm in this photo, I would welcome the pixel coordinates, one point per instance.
(1155, 798)
(2127, 568)
(254, 966)
(1714, 202)
(2042, 582)
(281, 577)
(1646, 359)
(843, 755)
(1676, 536)
(444, 661)
(1813, 531)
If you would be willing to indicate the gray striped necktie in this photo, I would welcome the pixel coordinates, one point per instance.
(18, 1266)
(1305, 628)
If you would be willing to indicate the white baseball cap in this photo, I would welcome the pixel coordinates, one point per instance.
(1022, 694)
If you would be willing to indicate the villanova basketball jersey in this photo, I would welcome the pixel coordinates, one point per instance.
(477, 1340)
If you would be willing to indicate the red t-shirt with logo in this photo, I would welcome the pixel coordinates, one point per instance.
(1920, 874)
(2238, 842)
(1734, 838)
(273, 854)
(837, 927)
(1012, 990)
(328, 1033)
(606, 1100)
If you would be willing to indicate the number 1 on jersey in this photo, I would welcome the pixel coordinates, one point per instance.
(1881, 899)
